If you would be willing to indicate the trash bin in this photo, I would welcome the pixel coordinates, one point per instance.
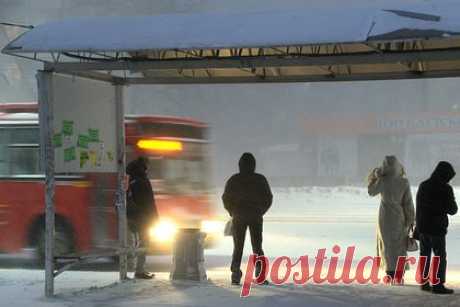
(188, 256)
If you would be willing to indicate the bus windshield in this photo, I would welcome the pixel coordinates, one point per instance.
(179, 176)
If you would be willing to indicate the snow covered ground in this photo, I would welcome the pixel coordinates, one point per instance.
(301, 221)
(25, 288)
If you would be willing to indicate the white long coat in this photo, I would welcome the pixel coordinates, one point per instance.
(396, 212)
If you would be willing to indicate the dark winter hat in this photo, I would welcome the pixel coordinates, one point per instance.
(247, 163)
(137, 167)
(444, 171)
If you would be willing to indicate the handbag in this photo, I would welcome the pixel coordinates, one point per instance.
(228, 230)
(412, 245)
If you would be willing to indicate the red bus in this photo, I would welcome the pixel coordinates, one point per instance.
(178, 151)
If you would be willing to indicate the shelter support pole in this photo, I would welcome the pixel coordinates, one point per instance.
(45, 99)
(121, 194)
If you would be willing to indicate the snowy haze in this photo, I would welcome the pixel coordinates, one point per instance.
(270, 119)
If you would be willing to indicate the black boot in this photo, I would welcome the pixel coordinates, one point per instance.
(426, 287)
(236, 278)
(389, 279)
(440, 289)
(144, 275)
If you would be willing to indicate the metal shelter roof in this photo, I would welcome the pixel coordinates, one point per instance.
(284, 46)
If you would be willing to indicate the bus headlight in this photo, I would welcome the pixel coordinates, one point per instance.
(211, 227)
(163, 231)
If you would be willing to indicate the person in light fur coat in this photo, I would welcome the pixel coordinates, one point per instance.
(396, 213)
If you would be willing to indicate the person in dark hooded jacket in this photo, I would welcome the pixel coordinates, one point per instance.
(247, 197)
(141, 209)
(435, 200)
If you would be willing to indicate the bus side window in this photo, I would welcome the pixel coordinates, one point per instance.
(22, 151)
(4, 167)
(24, 160)
(4, 158)
(25, 136)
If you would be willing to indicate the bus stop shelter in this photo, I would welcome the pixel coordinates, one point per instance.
(318, 45)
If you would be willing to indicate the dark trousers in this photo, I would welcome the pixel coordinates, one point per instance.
(239, 226)
(437, 245)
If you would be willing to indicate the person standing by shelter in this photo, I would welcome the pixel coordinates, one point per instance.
(141, 210)
(435, 200)
(247, 197)
(396, 214)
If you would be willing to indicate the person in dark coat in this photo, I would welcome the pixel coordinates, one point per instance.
(141, 210)
(247, 197)
(435, 200)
